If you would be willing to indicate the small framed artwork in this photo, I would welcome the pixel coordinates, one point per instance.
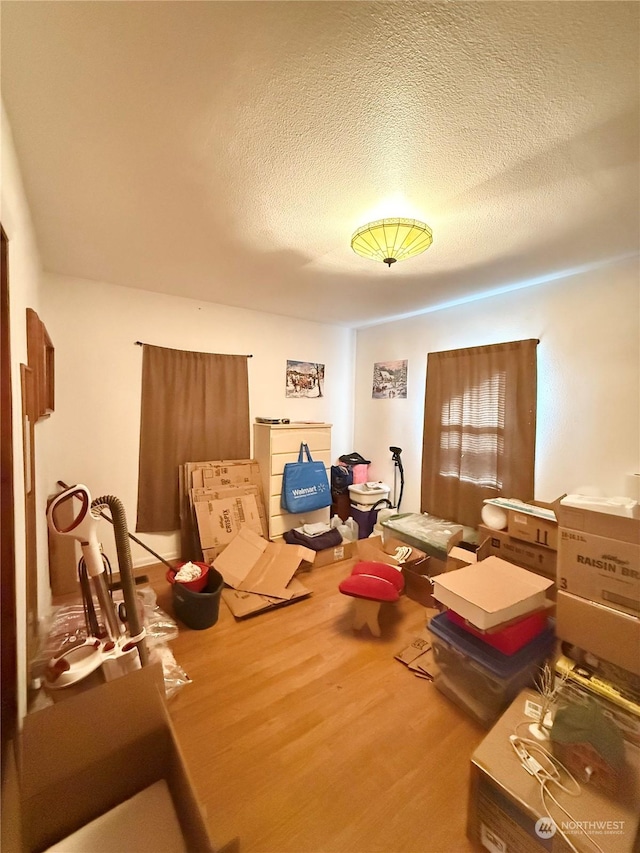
(304, 379)
(389, 380)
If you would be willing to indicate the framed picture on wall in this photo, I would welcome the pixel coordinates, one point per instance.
(41, 354)
(389, 380)
(304, 379)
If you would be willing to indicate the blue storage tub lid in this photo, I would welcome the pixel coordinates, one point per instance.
(505, 666)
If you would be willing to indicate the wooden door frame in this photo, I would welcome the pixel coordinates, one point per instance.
(8, 630)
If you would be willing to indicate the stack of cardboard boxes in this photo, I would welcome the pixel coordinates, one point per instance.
(598, 602)
(217, 499)
(598, 628)
(529, 540)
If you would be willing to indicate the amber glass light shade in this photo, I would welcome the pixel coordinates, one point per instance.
(391, 240)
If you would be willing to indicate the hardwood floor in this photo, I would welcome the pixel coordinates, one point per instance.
(303, 736)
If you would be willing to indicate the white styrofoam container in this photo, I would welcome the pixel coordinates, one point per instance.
(368, 493)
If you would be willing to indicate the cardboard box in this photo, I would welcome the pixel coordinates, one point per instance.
(252, 564)
(146, 821)
(599, 558)
(609, 634)
(243, 604)
(376, 548)
(261, 573)
(219, 521)
(532, 528)
(224, 472)
(209, 494)
(84, 756)
(229, 478)
(336, 554)
(498, 543)
(458, 557)
(505, 806)
(418, 585)
(600, 523)
(491, 592)
(416, 568)
(601, 569)
(418, 657)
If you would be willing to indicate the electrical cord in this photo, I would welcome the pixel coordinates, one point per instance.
(547, 776)
(91, 617)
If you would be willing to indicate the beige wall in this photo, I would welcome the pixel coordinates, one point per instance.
(95, 429)
(588, 378)
(24, 292)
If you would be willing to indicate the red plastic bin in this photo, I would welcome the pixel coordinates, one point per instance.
(512, 637)
(196, 585)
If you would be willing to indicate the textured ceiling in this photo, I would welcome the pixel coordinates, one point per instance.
(226, 151)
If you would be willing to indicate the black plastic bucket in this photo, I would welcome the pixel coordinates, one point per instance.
(199, 610)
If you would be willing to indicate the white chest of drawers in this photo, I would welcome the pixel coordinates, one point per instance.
(273, 446)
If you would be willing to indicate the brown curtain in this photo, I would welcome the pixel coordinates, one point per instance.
(479, 428)
(195, 408)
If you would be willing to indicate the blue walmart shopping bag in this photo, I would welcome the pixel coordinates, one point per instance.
(305, 485)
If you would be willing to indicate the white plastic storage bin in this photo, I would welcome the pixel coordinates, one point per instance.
(367, 494)
(477, 677)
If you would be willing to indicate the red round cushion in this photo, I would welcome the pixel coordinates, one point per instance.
(366, 586)
(380, 570)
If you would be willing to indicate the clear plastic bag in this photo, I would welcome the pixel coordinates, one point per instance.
(161, 628)
(66, 627)
(174, 675)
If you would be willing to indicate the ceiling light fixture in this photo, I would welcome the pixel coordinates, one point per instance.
(391, 240)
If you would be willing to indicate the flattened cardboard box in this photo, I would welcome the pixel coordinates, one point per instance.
(233, 472)
(210, 494)
(87, 754)
(419, 658)
(243, 604)
(253, 564)
(265, 570)
(220, 520)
